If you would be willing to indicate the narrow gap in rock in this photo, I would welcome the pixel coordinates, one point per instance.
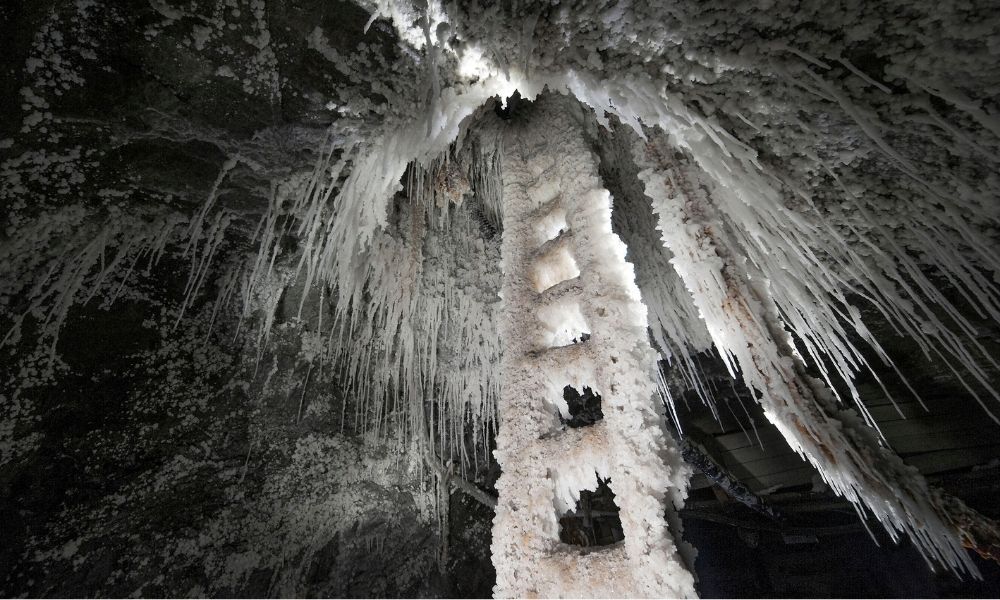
(584, 408)
(595, 521)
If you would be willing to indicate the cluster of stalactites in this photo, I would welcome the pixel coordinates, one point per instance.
(747, 327)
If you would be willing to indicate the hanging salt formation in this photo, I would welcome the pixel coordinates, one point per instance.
(565, 277)
(744, 323)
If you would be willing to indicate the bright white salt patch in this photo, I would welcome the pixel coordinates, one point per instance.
(551, 225)
(553, 268)
(562, 323)
(472, 65)
(544, 192)
(743, 320)
(572, 478)
(201, 35)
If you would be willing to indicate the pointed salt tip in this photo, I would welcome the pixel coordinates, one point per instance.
(371, 20)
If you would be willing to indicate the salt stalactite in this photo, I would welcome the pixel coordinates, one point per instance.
(91, 263)
(811, 292)
(99, 258)
(674, 323)
(416, 344)
(398, 331)
(565, 275)
(194, 231)
(746, 327)
(201, 259)
(361, 202)
(443, 499)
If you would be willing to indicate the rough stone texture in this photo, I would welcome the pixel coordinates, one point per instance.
(160, 462)
(170, 462)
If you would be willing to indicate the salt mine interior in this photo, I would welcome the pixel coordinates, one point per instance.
(415, 298)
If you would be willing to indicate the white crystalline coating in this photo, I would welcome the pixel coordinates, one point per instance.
(544, 466)
(675, 325)
(555, 267)
(811, 294)
(807, 294)
(414, 323)
(744, 323)
(334, 240)
(550, 225)
(562, 322)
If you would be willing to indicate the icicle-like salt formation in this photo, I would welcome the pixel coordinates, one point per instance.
(675, 325)
(91, 260)
(810, 287)
(405, 307)
(424, 337)
(360, 204)
(414, 321)
(745, 326)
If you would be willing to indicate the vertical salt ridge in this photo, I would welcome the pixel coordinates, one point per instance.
(545, 466)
